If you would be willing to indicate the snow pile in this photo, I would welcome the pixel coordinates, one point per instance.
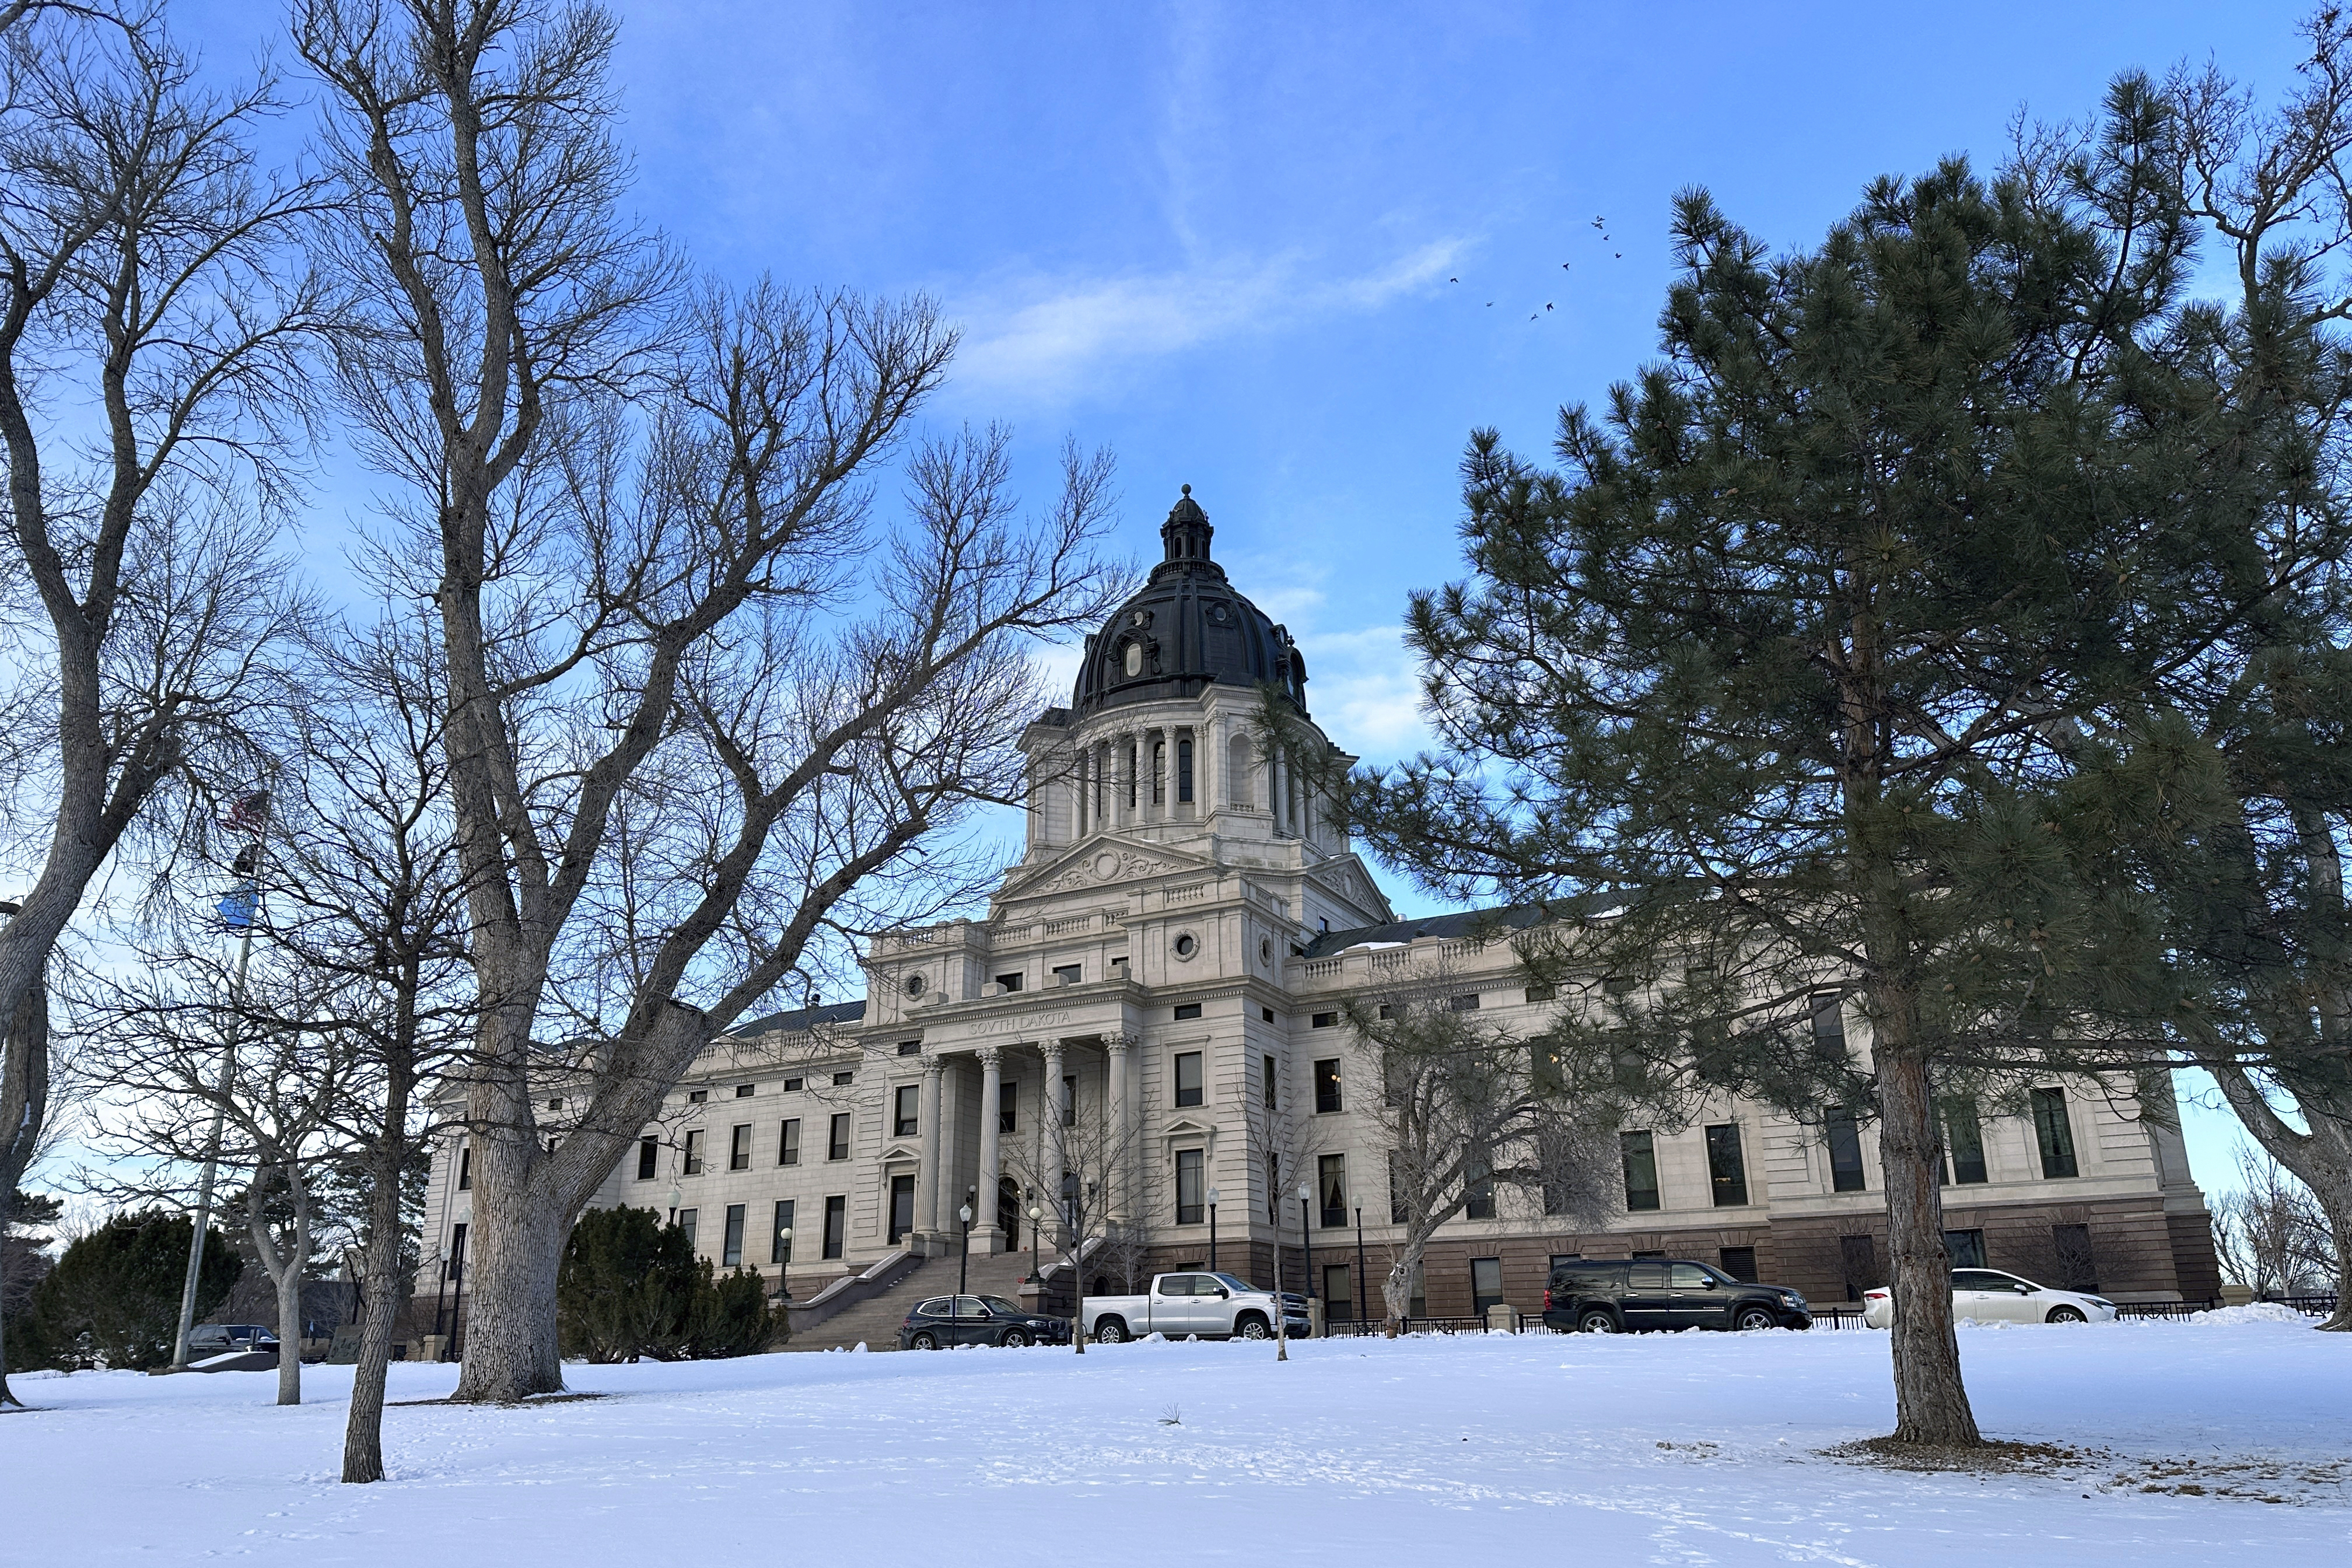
(1690, 1448)
(2252, 1312)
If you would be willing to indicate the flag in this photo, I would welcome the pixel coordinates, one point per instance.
(238, 907)
(249, 813)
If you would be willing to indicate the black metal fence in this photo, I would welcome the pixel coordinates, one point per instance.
(1838, 1317)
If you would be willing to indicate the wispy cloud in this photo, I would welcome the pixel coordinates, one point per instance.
(1050, 337)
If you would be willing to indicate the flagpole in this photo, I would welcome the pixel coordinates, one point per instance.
(220, 1112)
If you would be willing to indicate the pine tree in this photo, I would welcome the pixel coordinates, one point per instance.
(114, 1295)
(1820, 664)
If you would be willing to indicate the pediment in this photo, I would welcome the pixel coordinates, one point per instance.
(1188, 1127)
(892, 1153)
(1102, 861)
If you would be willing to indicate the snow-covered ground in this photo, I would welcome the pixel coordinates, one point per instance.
(1681, 1448)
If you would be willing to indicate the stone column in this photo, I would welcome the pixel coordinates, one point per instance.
(1050, 1130)
(987, 1228)
(950, 1196)
(1122, 1050)
(927, 1180)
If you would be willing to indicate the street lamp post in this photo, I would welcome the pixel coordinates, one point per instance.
(784, 1263)
(1307, 1237)
(1212, 1231)
(1037, 1219)
(1362, 1294)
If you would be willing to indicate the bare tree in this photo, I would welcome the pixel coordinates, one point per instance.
(153, 322)
(1088, 1171)
(698, 700)
(2272, 1234)
(1466, 1107)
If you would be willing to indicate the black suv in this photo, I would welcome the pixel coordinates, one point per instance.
(1608, 1296)
(946, 1321)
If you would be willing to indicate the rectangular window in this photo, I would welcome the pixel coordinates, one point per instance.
(1725, 1170)
(1965, 1141)
(694, 1152)
(1070, 1099)
(1846, 1152)
(1639, 1151)
(1740, 1262)
(1465, 1002)
(1966, 1247)
(1858, 1262)
(836, 1225)
(2071, 1244)
(1159, 772)
(1265, 1014)
(780, 1243)
(1273, 1189)
(1184, 770)
(1188, 1078)
(2053, 1131)
(648, 1158)
(902, 1208)
(793, 1085)
(1270, 1095)
(1543, 992)
(1068, 973)
(1829, 1027)
(1009, 983)
(1338, 1293)
(1331, 1186)
(1326, 1085)
(910, 1048)
(455, 1267)
(685, 1222)
(1008, 1107)
(697, 1096)
(1189, 1010)
(738, 1148)
(732, 1255)
(1192, 1187)
(837, 1141)
(1486, 1283)
(1322, 1020)
(465, 1172)
(1479, 1199)
(744, 1091)
(1417, 1302)
(843, 1080)
(904, 1122)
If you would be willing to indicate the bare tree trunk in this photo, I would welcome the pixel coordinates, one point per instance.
(1931, 1402)
(380, 1288)
(1396, 1289)
(284, 1269)
(2320, 1159)
(23, 1108)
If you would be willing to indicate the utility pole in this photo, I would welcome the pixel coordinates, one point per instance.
(249, 815)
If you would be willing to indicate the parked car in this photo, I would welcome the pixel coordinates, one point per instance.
(1990, 1296)
(220, 1339)
(1213, 1305)
(1607, 1296)
(945, 1320)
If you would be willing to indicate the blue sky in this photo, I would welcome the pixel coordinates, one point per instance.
(1221, 238)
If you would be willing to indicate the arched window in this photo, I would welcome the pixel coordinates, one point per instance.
(1240, 765)
(1159, 772)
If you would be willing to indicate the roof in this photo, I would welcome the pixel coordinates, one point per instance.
(795, 1022)
(1462, 923)
(1185, 630)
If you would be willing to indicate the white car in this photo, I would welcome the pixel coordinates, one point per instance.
(1988, 1296)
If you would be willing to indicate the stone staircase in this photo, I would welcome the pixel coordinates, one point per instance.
(875, 1322)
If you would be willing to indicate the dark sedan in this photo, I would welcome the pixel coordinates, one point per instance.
(945, 1320)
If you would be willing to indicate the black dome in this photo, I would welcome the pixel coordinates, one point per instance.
(1185, 629)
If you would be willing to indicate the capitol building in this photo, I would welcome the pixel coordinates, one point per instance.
(1149, 1016)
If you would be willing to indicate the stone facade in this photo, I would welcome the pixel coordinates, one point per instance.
(1168, 961)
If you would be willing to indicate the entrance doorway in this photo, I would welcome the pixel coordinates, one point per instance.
(902, 1208)
(1008, 1212)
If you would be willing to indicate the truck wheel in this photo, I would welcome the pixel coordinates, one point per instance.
(1253, 1327)
(1014, 1339)
(1596, 1322)
(1110, 1332)
(1756, 1318)
(925, 1341)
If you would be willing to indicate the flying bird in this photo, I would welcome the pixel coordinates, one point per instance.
(1547, 305)
(1453, 279)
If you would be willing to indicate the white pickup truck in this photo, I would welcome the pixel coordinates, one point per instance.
(1215, 1306)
